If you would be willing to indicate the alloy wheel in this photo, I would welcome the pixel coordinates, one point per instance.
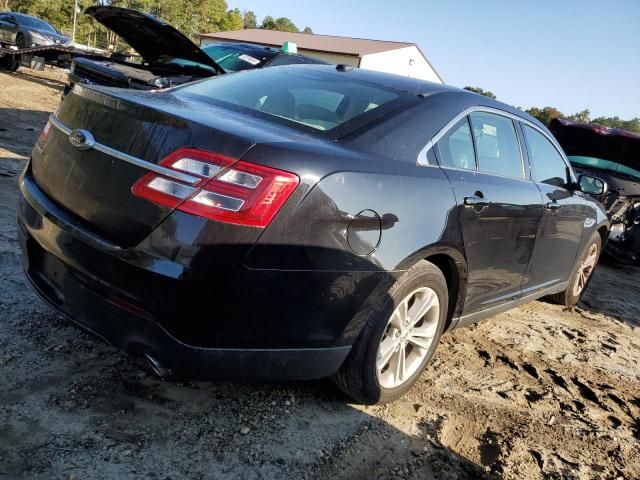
(586, 269)
(408, 337)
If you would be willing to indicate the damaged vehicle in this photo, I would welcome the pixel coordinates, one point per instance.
(300, 222)
(614, 156)
(24, 31)
(168, 57)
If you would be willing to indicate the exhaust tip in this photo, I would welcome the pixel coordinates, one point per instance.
(156, 366)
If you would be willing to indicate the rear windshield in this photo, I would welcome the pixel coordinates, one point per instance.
(305, 97)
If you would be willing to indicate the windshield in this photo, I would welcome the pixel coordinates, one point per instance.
(305, 97)
(35, 23)
(232, 59)
(601, 164)
(167, 59)
(229, 58)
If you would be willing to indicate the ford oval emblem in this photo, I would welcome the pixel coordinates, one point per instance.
(81, 139)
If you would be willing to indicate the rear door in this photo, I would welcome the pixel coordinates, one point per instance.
(500, 208)
(560, 232)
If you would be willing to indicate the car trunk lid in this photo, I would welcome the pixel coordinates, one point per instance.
(131, 139)
(150, 37)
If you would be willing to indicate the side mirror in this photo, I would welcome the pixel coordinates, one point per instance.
(592, 185)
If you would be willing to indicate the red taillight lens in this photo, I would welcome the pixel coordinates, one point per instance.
(228, 191)
(44, 134)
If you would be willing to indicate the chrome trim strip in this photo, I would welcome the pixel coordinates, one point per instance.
(167, 172)
(56, 123)
(422, 156)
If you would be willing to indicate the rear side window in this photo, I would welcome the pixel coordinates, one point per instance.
(497, 145)
(314, 99)
(456, 147)
(548, 165)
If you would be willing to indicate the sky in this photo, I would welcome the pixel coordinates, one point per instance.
(569, 54)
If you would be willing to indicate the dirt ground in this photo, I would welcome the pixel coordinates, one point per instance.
(538, 392)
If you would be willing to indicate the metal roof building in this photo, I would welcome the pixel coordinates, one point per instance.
(401, 58)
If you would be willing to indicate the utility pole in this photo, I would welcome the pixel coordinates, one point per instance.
(75, 19)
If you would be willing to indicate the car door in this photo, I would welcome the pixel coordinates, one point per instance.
(562, 224)
(499, 207)
(10, 29)
(4, 27)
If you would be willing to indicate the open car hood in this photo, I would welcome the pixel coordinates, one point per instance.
(590, 140)
(150, 37)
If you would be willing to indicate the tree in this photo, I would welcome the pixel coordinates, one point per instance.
(307, 30)
(250, 20)
(232, 20)
(545, 115)
(583, 116)
(191, 17)
(480, 91)
(282, 24)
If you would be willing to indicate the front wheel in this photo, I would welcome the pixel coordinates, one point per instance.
(581, 274)
(399, 338)
(20, 41)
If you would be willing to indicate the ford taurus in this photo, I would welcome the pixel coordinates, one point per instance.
(299, 222)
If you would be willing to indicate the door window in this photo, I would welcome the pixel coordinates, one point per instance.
(548, 165)
(497, 145)
(456, 147)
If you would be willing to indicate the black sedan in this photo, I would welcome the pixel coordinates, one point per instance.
(25, 31)
(300, 222)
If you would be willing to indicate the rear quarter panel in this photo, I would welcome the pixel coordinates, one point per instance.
(415, 207)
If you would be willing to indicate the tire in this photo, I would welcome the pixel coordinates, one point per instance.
(572, 294)
(13, 63)
(359, 376)
(20, 41)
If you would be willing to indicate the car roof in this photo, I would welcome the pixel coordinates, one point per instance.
(24, 15)
(410, 85)
(418, 87)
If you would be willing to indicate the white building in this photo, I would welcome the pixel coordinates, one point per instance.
(400, 58)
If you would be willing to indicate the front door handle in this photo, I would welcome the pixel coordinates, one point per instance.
(475, 201)
(554, 206)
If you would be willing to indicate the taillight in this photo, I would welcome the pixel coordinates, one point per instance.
(229, 190)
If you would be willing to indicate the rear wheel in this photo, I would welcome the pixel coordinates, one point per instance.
(13, 63)
(399, 338)
(581, 274)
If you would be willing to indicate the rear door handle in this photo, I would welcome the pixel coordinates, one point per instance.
(475, 201)
(553, 206)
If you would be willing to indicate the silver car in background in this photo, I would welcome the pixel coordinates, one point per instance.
(25, 31)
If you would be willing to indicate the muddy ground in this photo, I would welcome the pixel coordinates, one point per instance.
(538, 392)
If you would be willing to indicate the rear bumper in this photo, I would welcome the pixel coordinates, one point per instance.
(139, 335)
(287, 324)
